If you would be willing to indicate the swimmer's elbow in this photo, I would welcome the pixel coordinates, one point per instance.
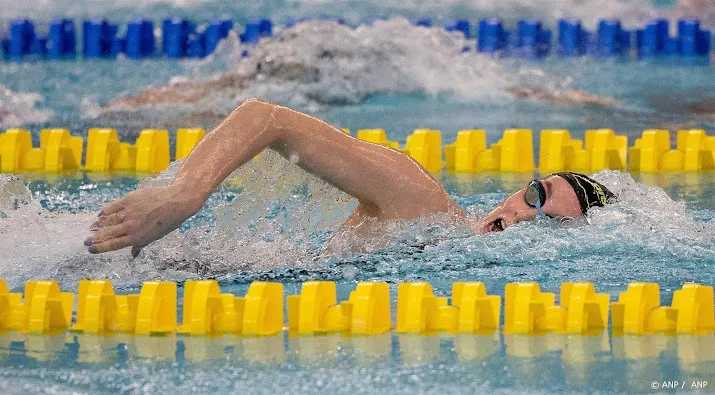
(248, 100)
(255, 104)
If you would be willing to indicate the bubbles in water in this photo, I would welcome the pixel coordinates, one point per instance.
(325, 63)
(272, 219)
(35, 243)
(322, 63)
(648, 210)
(13, 193)
(18, 108)
(644, 235)
(280, 216)
(164, 178)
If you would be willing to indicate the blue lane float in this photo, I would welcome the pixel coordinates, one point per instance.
(255, 30)
(203, 43)
(491, 35)
(181, 38)
(693, 40)
(651, 40)
(251, 34)
(23, 40)
(530, 39)
(22, 33)
(612, 40)
(265, 26)
(61, 39)
(216, 31)
(139, 39)
(459, 25)
(176, 37)
(424, 22)
(197, 46)
(572, 38)
(654, 39)
(97, 36)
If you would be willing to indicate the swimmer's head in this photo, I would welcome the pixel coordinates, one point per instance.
(560, 195)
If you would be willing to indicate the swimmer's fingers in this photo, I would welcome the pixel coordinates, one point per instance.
(112, 208)
(106, 234)
(111, 245)
(136, 250)
(107, 220)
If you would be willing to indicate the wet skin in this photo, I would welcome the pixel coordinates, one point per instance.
(561, 201)
(387, 183)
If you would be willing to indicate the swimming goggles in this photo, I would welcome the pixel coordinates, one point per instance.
(535, 195)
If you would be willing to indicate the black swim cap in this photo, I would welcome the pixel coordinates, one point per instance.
(590, 192)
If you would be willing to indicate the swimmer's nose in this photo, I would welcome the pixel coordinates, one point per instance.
(526, 215)
(520, 216)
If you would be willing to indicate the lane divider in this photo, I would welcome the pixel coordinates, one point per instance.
(315, 310)
(182, 38)
(601, 149)
(59, 152)
(695, 152)
(207, 311)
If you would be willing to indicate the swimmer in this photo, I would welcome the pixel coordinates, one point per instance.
(386, 183)
(192, 92)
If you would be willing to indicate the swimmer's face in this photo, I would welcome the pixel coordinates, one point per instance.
(561, 201)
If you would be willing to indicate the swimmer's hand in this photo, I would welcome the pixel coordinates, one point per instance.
(142, 217)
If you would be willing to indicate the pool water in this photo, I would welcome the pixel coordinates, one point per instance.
(647, 237)
(329, 364)
(271, 221)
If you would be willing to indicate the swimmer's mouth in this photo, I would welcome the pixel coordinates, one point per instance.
(496, 226)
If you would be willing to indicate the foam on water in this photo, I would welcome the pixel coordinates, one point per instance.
(279, 217)
(323, 62)
(332, 63)
(643, 219)
(35, 242)
(19, 108)
(274, 221)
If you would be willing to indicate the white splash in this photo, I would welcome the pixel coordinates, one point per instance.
(281, 218)
(35, 243)
(272, 222)
(329, 62)
(647, 210)
(19, 108)
(325, 63)
(643, 224)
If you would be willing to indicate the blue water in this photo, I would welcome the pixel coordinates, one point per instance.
(660, 230)
(388, 363)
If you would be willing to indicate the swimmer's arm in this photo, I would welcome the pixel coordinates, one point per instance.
(562, 96)
(389, 182)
